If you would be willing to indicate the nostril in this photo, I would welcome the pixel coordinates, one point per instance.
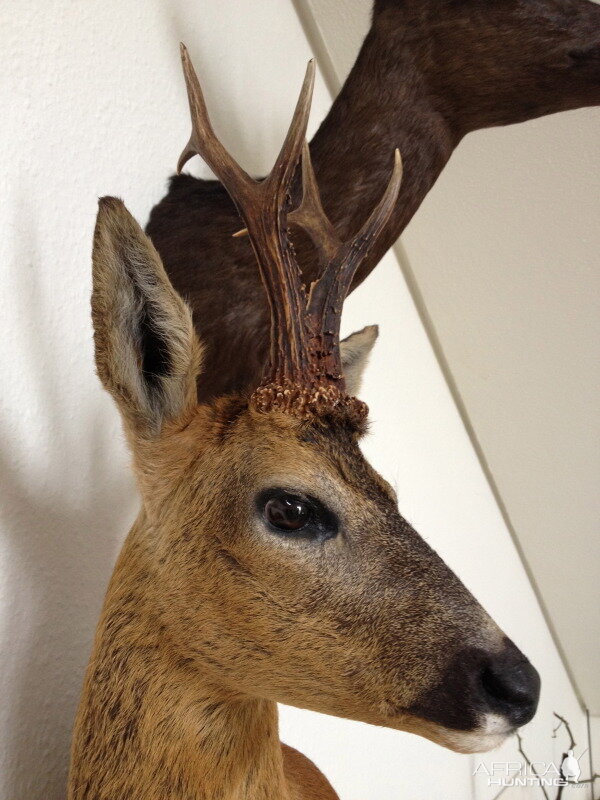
(513, 687)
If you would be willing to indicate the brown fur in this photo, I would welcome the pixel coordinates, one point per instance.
(211, 618)
(429, 72)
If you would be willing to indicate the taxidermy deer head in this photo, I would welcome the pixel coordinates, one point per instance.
(269, 561)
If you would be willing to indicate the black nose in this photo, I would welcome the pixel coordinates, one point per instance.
(511, 685)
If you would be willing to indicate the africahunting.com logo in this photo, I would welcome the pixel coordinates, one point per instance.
(534, 773)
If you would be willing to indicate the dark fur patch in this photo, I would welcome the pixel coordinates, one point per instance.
(333, 427)
(156, 358)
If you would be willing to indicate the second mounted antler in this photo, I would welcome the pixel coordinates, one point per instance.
(304, 375)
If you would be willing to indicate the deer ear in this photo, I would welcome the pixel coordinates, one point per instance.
(355, 350)
(147, 353)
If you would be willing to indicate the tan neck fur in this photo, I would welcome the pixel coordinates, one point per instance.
(151, 725)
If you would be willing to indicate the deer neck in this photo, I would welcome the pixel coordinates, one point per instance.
(385, 103)
(153, 724)
(428, 73)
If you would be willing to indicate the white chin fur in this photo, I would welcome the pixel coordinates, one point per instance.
(490, 735)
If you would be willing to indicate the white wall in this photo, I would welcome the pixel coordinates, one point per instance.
(93, 103)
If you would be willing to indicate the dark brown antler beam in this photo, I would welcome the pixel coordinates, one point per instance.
(429, 72)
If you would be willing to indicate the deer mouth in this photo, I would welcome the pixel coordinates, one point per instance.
(489, 736)
(490, 733)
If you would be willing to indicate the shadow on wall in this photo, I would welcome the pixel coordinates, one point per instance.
(62, 500)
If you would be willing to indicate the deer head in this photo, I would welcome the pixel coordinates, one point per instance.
(277, 561)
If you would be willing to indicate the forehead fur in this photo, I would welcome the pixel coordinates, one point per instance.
(229, 440)
(326, 442)
(336, 434)
(340, 424)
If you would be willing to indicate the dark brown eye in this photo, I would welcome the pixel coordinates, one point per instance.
(286, 512)
(295, 515)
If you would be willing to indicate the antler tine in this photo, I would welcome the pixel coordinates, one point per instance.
(310, 216)
(203, 140)
(328, 293)
(284, 168)
(371, 229)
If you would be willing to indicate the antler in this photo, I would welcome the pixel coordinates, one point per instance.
(304, 374)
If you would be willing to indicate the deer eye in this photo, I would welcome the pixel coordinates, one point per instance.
(289, 513)
(286, 512)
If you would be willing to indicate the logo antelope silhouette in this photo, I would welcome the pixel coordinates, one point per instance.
(269, 562)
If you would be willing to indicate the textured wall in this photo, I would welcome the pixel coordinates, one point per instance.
(93, 103)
